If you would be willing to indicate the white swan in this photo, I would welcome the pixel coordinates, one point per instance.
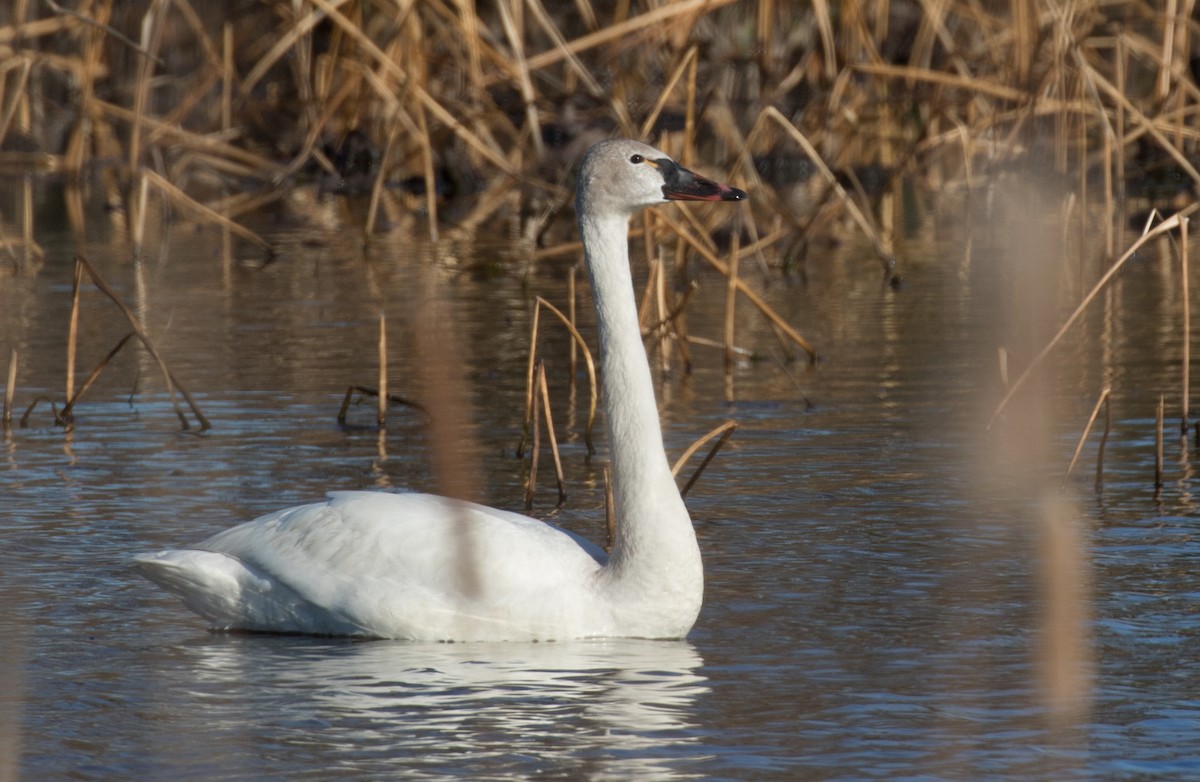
(423, 567)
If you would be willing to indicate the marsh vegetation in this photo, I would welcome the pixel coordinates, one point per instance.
(461, 120)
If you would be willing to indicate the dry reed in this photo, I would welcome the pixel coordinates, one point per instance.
(499, 95)
(10, 388)
(1158, 446)
(541, 406)
(722, 433)
(1102, 402)
(1186, 325)
(530, 385)
(440, 72)
(381, 407)
(1172, 223)
(83, 265)
(1065, 663)
(610, 517)
(366, 391)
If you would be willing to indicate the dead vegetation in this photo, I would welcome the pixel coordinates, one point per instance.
(476, 110)
(447, 116)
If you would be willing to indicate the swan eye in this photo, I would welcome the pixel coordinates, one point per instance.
(637, 159)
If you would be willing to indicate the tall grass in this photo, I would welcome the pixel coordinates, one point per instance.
(263, 95)
(463, 111)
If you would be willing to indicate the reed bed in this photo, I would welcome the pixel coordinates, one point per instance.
(820, 109)
(839, 119)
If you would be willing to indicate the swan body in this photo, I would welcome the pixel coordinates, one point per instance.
(424, 567)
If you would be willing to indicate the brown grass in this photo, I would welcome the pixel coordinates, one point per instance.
(185, 108)
(84, 266)
(479, 86)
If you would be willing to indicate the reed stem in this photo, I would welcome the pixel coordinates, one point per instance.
(1102, 401)
(381, 408)
(1099, 482)
(1158, 447)
(10, 388)
(1166, 226)
(722, 433)
(1184, 290)
(544, 392)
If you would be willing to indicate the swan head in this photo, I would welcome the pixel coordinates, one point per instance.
(620, 176)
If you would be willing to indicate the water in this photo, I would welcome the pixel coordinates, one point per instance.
(874, 607)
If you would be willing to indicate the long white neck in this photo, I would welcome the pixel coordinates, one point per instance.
(656, 544)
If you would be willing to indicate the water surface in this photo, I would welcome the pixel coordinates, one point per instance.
(874, 603)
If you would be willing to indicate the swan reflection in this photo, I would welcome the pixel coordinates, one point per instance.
(589, 709)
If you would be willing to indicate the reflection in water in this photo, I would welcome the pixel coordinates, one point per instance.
(616, 709)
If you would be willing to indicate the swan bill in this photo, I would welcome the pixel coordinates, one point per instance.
(680, 184)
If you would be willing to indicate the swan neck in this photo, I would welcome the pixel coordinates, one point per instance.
(649, 511)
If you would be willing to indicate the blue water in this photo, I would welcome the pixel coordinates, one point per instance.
(875, 558)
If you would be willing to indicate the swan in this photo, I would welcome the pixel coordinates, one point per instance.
(424, 567)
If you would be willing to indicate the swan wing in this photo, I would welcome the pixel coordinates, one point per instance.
(391, 565)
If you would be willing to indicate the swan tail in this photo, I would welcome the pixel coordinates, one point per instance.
(232, 596)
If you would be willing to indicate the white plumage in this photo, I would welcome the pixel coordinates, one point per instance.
(424, 567)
